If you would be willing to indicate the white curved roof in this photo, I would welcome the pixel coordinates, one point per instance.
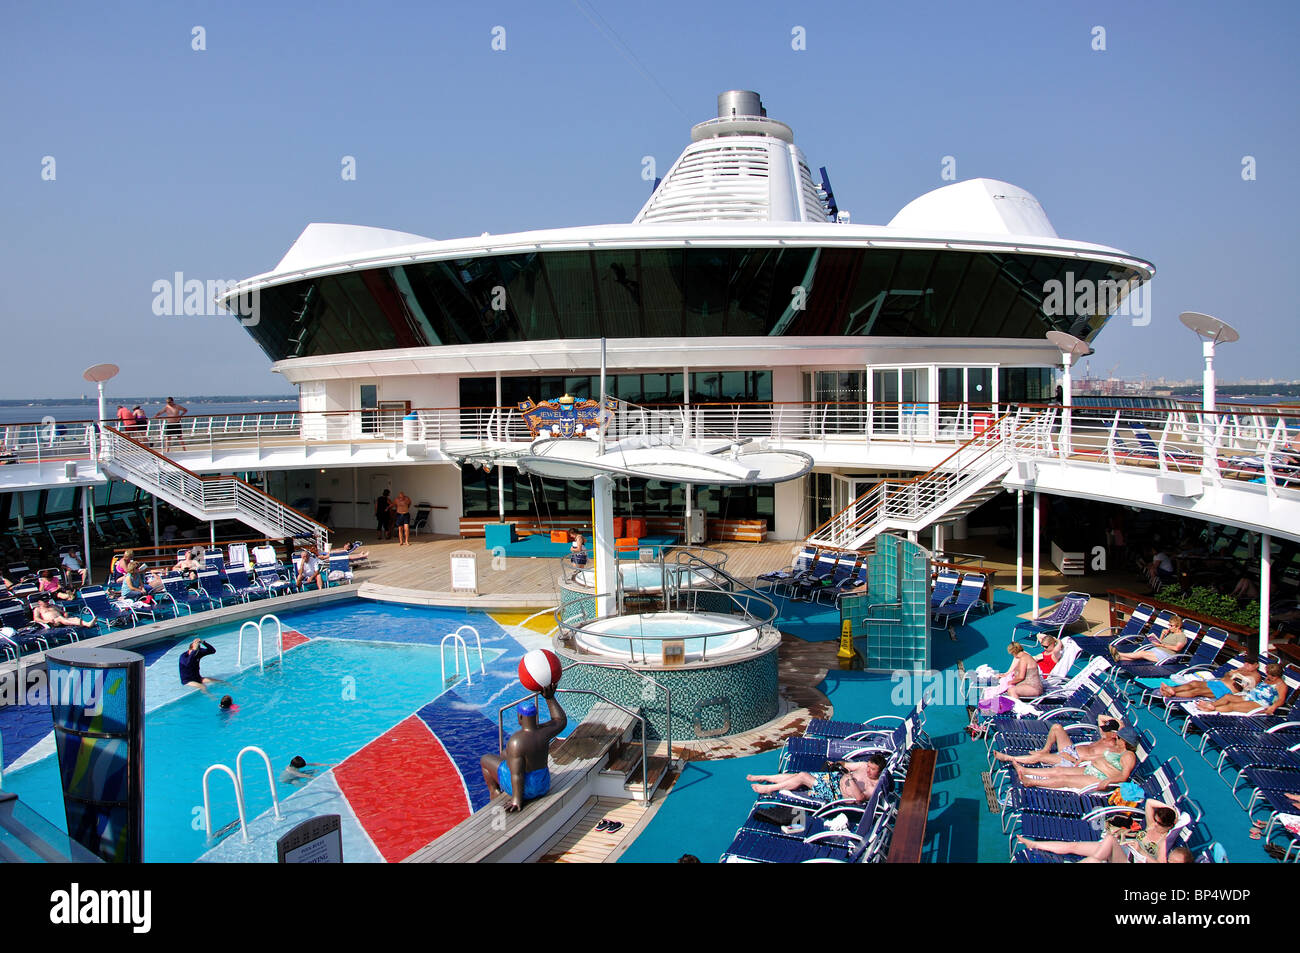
(976, 205)
(325, 242)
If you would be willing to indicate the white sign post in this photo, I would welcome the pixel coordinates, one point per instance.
(464, 571)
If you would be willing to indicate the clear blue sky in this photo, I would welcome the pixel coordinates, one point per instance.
(210, 163)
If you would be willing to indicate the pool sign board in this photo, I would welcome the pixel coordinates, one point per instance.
(315, 841)
(464, 575)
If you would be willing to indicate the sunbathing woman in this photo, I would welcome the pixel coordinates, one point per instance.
(1149, 843)
(1113, 767)
(1023, 678)
(1060, 752)
(1163, 648)
(1264, 699)
(856, 780)
(1052, 648)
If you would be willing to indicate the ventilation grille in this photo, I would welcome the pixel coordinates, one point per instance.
(713, 181)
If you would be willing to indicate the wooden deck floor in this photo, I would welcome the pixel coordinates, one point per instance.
(423, 569)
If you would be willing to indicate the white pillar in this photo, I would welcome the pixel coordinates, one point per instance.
(911, 536)
(212, 532)
(938, 540)
(85, 528)
(605, 558)
(100, 428)
(1207, 405)
(1067, 394)
(1036, 546)
(1265, 585)
(501, 473)
(1020, 540)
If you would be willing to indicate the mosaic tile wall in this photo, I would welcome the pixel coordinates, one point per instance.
(899, 590)
(728, 698)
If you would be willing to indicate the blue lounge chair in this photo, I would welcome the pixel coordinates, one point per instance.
(819, 576)
(218, 592)
(181, 596)
(1066, 612)
(780, 578)
(1135, 625)
(1149, 675)
(245, 588)
(968, 597)
(94, 599)
(945, 589)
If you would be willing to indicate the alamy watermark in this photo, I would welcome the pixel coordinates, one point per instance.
(77, 688)
(179, 295)
(1086, 297)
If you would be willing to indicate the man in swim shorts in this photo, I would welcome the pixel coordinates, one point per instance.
(521, 770)
(402, 518)
(1243, 678)
(172, 426)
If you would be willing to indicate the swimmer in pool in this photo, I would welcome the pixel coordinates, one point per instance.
(228, 704)
(300, 770)
(191, 677)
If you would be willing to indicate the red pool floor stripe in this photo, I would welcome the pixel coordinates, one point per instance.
(291, 638)
(404, 788)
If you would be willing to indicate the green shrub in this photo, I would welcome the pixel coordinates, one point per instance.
(1206, 603)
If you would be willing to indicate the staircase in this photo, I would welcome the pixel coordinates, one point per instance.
(205, 497)
(955, 487)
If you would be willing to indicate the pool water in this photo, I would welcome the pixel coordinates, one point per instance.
(356, 685)
(611, 636)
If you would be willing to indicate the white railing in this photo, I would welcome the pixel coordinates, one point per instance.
(259, 628)
(913, 504)
(207, 497)
(459, 648)
(237, 779)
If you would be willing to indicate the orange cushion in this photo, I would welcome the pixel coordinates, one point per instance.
(559, 536)
(627, 542)
(618, 526)
(636, 527)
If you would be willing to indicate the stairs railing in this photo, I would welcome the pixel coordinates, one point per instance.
(206, 497)
(915, 502)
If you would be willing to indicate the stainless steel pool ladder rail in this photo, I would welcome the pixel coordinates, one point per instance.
(638, 714)
(237, 779)
(257, 627)
(458, 643)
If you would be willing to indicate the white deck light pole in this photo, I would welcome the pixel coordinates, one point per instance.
(1265, 588)
(1212, 333)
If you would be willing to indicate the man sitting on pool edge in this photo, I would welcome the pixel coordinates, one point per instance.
(522, 770)
(191, 677)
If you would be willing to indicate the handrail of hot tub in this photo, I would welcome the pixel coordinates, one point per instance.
(752, 622)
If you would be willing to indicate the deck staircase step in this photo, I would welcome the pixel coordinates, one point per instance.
(658, 769)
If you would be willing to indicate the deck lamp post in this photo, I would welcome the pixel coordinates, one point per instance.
(96, 375)
(1071, 348)
(1212, 332)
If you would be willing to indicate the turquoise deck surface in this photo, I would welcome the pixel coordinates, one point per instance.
(711, 799)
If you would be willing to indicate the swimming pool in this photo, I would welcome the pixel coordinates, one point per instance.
(359, 689)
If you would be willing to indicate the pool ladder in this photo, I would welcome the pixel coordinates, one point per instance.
(459, 648)
(258, 628)
(237, 779)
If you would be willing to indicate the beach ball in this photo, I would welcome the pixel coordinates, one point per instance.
(539, 669)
